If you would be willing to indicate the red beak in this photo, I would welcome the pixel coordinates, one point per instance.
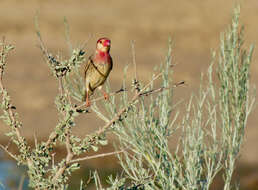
(106, 43)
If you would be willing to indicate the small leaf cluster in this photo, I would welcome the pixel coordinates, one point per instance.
(60, 67)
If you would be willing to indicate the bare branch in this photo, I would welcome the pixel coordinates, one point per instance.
(68, 147)
(69, 156)
(161, 89)
(8, 152)
(97, 156)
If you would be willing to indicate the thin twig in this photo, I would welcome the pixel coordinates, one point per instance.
(134, 61)
(161, 89)
(8, 152)
(52, 137)
(53, 159)
(8, 144)
(86, 42)
(97, 181)
(61, 86)
(102, 97)
(69, 156)
(90, 178)
(42, 45)
(68, 147)
(96, 156)
(21, 182)
(35, 140)
(123, 110)
(11, 114)
(67, 35)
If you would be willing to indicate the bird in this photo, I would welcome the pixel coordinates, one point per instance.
(97, 69)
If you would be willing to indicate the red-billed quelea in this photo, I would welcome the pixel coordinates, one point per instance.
(98, 68)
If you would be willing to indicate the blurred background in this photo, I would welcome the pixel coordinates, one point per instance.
(194, 26)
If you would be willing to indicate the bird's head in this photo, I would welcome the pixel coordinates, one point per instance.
(103, 45)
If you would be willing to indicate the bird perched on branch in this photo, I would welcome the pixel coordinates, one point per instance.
(98, 68)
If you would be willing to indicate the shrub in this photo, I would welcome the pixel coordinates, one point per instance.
(144, 119)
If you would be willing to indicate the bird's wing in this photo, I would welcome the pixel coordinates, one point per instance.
(111, 63)
(87, 66)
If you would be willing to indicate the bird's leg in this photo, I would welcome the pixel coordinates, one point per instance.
(87, 99)
(106, 95)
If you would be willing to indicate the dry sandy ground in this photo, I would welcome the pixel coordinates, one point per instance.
(195, 27)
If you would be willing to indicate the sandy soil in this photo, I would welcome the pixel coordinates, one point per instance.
(194, 26)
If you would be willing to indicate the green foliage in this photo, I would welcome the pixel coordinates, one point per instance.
(144, 120)
(234, 97)
(213, 127)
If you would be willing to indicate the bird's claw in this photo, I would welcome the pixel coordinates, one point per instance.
(87, 104)
(106, 96)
